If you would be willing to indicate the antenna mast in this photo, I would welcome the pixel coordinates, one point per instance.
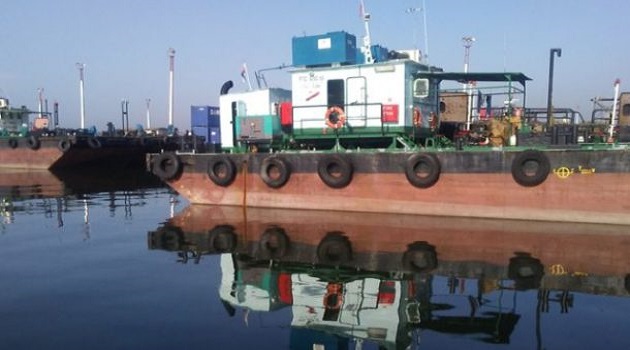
(366, 49)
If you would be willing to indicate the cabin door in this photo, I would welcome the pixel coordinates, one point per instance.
(356, 99)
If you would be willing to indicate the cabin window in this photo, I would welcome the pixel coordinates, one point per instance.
(336, 93)
(421, 88)
(625, 110)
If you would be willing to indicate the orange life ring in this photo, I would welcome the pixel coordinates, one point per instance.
(340, 120)
(417, 116)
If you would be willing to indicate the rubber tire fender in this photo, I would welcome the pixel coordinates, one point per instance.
(431, 162)
(64, 145)
(221, 170)
(334, 249)
(167, 166)
(284, 171)
(518, 168)
(324, 169)
(222, 239)
(274, 243)
(33, 142)
(93, 142)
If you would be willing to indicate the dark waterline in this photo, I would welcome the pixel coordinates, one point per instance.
(109, 270)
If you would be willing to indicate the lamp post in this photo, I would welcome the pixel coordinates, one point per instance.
(467, 41)
(171, 85)
(148, 100)
(552, 52)
(411, 10)
(81, 67)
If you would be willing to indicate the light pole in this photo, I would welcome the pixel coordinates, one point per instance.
(148, 100)
(411, 10)
(171, 84)
(550, 89)
(467, 41)
(81, 67)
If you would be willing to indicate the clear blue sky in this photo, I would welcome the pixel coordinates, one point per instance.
(124, 44)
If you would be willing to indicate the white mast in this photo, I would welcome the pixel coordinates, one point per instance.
(366, 49)
(613, 117)
(171, 87)
(81, 67)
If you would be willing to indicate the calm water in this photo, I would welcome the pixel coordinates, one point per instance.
(102, 263)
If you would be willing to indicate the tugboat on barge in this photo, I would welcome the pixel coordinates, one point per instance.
(370, 130)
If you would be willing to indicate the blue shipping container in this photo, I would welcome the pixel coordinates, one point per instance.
(207, 116)
(324, 49)
(212, 135)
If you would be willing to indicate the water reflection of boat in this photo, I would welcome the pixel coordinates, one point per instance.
(25, 184)
(42, 191)
(382, 277)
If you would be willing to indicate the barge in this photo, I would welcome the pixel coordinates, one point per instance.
(37, 145)
(375, 130)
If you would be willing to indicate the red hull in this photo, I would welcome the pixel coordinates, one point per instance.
(596, 198)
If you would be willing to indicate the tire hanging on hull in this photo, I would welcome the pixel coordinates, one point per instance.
(13, 143)
(423, 170)
(530, 168)
(335, 171)
(167, 166)
(275, 172)
(33, 142)
(64, 145)
(93, 142)
(221, 170)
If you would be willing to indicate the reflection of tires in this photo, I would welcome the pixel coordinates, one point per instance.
(222, 239)
(274, 243)
(275, 172)
(525, 271)
(167, 166)
(530, 168)
(334, 249)
(422, 170)
(335, 171)
(221, 170)
(167, 238)
(420, 257)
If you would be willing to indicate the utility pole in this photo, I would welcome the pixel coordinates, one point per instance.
(81, 67)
